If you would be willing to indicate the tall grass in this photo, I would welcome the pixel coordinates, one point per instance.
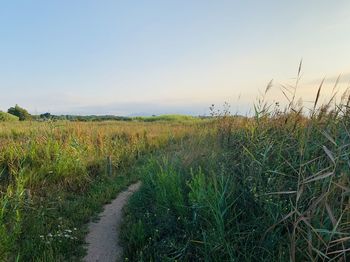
(7, 117)
(273, 187)
(54, 176)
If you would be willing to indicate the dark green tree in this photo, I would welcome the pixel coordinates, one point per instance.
(46, 116)
(20, 112)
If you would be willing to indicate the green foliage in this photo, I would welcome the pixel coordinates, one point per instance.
(46, 116)
(183, 212)
(20, 112)
(53, 179)
(274, 187)
(271, 188)
(7, 117)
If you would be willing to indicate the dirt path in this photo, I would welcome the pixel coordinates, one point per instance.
(103, 235)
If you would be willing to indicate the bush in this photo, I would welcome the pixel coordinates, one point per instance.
(20, 112)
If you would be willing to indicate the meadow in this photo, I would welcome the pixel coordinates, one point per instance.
(271, 187)
(55, 176)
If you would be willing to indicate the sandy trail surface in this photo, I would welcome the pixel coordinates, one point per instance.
(103, 235)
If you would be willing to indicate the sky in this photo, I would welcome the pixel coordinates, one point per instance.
(162, 57)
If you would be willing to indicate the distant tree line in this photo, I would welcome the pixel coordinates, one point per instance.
(48, 116)
(23, 115)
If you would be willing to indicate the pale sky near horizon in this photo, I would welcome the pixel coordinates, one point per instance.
(154, 57)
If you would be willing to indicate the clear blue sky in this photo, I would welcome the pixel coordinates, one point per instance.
(152, 57)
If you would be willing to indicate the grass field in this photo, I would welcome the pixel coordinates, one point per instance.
(273, 187)
(56, 175)
(143, 131)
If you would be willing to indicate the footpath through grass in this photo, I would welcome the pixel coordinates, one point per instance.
(55, 176)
